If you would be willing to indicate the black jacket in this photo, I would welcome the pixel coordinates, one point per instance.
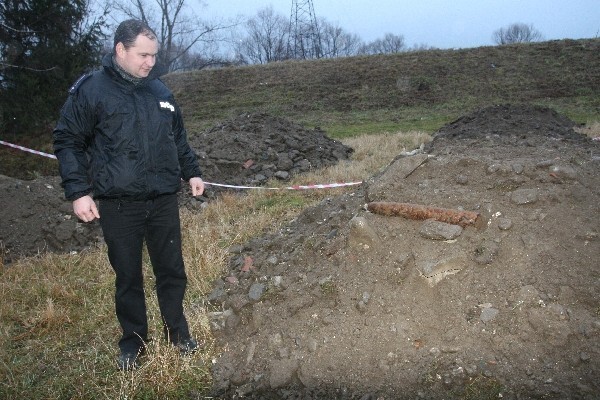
(118, 140)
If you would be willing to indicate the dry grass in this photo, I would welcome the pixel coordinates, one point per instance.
(58, 332)
(591, 129)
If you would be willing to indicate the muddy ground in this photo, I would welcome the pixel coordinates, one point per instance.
(351, 304)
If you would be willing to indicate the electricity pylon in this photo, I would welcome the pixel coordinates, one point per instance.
(304, 39)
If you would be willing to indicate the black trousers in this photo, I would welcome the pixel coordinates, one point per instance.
(126, 225)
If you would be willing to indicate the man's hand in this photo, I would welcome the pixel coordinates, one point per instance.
(85, 209)
(197, 186)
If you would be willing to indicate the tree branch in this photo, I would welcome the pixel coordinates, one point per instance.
(5, 65)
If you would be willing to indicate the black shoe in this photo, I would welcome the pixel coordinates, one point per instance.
(128, 361)
(188, 347)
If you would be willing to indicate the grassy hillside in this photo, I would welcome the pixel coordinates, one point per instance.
(416, 90)
(372, 94)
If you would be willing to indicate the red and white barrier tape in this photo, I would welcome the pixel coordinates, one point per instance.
(295, 187)
(16, 146)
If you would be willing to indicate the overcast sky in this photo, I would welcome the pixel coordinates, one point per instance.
(438, 23)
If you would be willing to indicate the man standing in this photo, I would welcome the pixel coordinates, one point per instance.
(120, 138)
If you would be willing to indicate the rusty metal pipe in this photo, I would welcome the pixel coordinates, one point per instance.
(420, 212)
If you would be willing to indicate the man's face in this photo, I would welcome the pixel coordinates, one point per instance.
(139, 59)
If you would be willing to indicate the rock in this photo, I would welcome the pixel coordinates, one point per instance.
(504, 224)
(518, 168)
(303, 165)
(362, 303)
(524, 196)
(536, 215)
(284, 163)
(436, 230)
(218, 295)
(493, 168)
(563, 171)
(312, 345)
(462, 179)
(256, 291)
(434, 270)
(237, 301)
(277, 281)
(551, 329)
(435, 351)
(217, 319)
(488, 314)
(362, 234)
(260, 178)
(282, 175)
(526, 295)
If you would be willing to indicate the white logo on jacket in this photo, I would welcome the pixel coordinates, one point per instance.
(166, 104)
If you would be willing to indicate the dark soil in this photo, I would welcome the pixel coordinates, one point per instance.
(348, 304)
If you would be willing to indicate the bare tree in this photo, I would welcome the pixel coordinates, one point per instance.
(179, 30)
(335, 42)
(390, 44)
(266, 40)
(516, 33)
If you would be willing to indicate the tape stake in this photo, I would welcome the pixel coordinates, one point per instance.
(295, 187)
(322, 186)
(16, 146)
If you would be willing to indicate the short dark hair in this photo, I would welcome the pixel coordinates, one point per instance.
(128, 31)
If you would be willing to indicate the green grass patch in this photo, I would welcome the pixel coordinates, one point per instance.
(281, 201)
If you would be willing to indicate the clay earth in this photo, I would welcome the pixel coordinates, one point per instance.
(346, 303)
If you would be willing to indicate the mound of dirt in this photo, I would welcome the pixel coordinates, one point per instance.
(35, 218)
(253, 148)
(508, 123)
(249, 149)
(347, 303)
